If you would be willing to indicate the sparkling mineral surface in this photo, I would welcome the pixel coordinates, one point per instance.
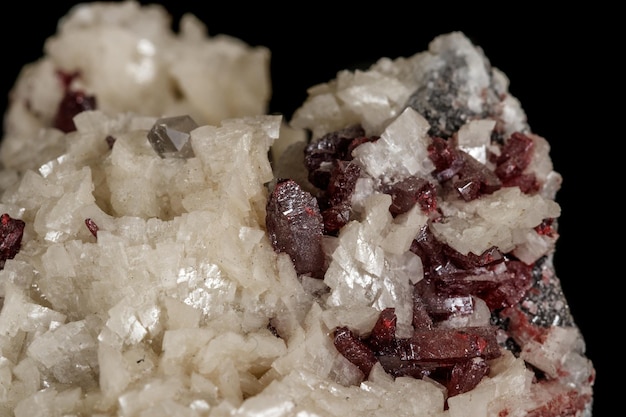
(396, 261)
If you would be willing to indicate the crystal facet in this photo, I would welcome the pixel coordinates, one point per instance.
(170, 136)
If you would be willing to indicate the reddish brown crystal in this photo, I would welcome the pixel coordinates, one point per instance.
(448, 346)
(499, 281)
(384, 331)
(342, 181)
(92, 226)
(73, 102)
(515, 156)
(295, 226)
(341, 185)
(466, 175)
(466, 375)
(11, 233)
(546, 228)
(320, 154)
(353, 349)
(410, 191)
(421, 317)
(456, 357)
(336, 217)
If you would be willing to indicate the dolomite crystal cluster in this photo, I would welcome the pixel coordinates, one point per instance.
(157, 262)
(123, 57)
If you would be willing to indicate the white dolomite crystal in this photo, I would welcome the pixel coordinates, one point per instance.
(147, 284)
(128, 57)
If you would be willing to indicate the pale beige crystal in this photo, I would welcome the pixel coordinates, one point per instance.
(128, 57)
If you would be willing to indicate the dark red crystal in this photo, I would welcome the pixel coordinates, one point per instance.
(438, 304)
(320, 154)
(73, 102)
(11, 233)
(384, 331)
(342, 181)
(295, 226)
(460, 171)
(410, 191)
(421, 316)
(498, 280)
(455, 357)
(353, 349)
(515, 156)
(335, 217)
(546, 228)
(92, 226)
(396, 367)
(449, 346)
(336, 200)
(466, 375)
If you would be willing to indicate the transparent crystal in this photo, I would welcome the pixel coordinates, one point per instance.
(170, 136)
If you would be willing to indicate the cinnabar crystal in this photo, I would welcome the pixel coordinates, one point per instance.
(11, 232)
(295, 226)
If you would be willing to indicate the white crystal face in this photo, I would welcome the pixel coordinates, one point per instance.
(170, 137)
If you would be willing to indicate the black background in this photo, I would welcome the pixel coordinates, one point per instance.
(555, 70)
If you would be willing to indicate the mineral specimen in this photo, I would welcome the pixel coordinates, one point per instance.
(448, 225)
(397, 263)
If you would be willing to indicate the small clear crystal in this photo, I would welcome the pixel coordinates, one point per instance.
(170, 136)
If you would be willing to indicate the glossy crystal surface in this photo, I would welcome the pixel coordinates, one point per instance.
(170, 137)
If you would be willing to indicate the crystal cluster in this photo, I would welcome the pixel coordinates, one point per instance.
(154, 262)
(437, 205)
(125, 57)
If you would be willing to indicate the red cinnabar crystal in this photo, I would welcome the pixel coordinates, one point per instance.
(466, 375)
(72, 103)
(514, 158)
(457, 169)
(354, 349)
(295, 226)
(384, 331)
(341, 185)
(410, 191)
(92, 226)
(320, 155)
(11, 232)
(455, 357)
